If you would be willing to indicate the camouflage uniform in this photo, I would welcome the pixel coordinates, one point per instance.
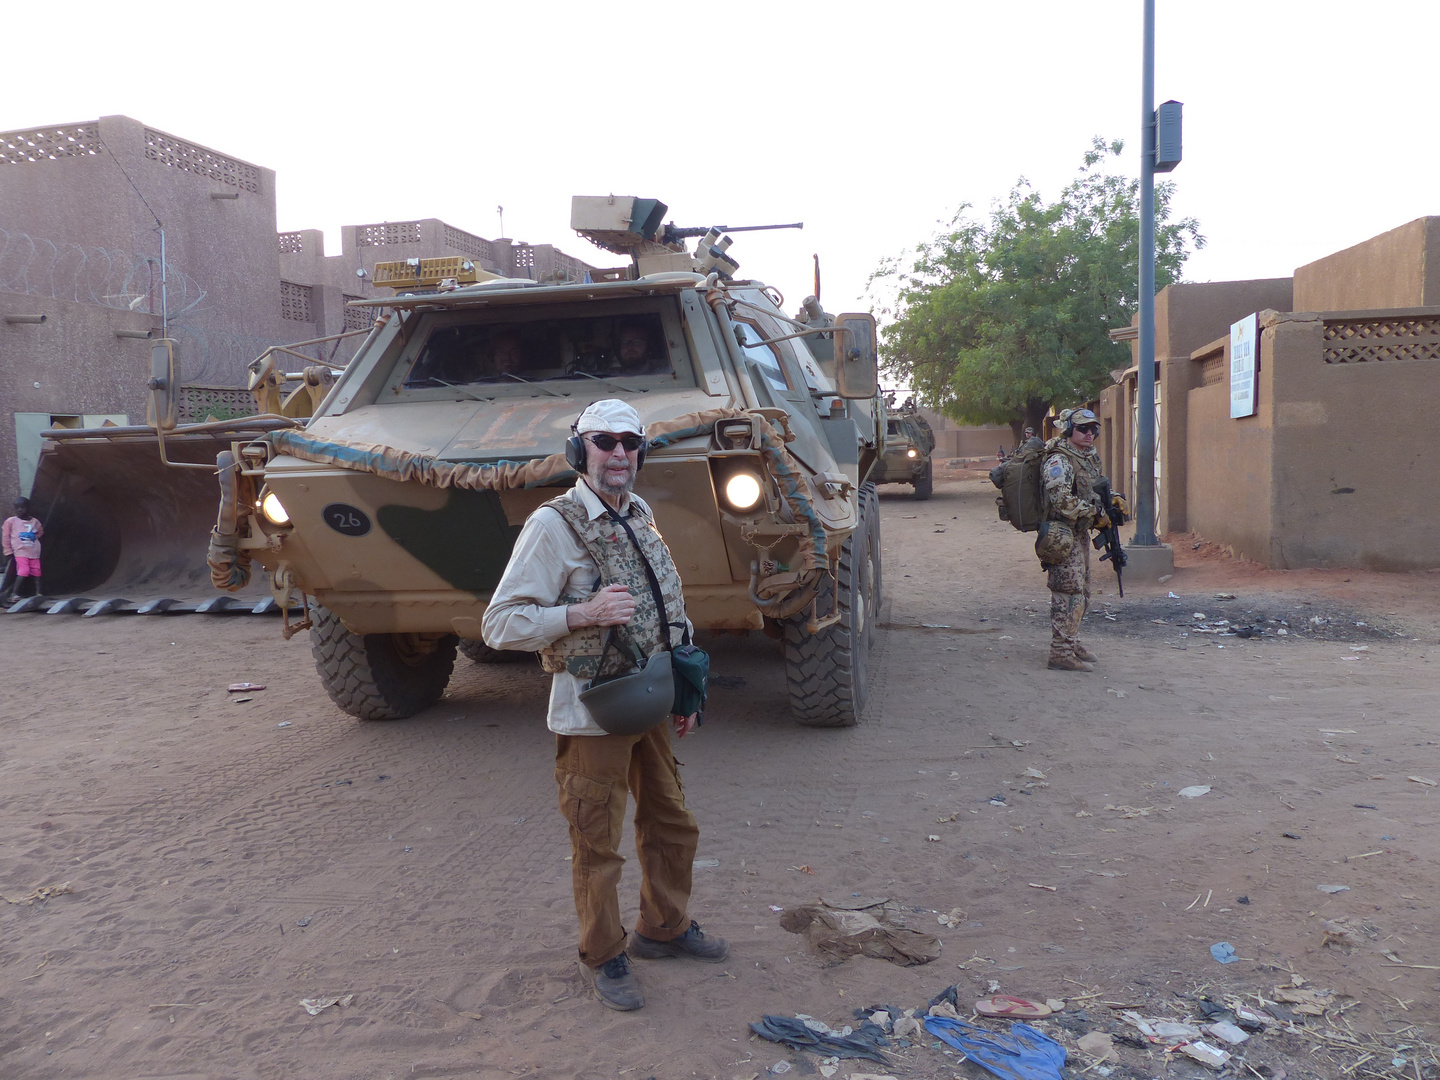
(1070, 476)
(619, 562)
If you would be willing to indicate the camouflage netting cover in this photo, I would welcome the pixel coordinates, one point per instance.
(230, 568)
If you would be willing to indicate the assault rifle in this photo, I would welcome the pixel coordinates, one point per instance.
(1109, 539)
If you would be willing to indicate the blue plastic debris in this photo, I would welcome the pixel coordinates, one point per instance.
(1224, 952)
(1025, 1054)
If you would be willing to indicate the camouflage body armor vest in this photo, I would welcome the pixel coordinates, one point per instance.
(620, 563)
(1085, 468)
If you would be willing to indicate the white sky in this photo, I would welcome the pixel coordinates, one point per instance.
(1308, 126)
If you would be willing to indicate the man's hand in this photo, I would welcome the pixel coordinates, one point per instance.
(684, 725)
(1102, 522)
(611, 606)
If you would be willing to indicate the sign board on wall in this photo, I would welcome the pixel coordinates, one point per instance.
(1244, 352)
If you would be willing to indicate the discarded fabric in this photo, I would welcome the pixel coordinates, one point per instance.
(865, 1043)
(1024, 1054)
(875, 927)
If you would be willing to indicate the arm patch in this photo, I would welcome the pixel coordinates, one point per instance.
(1054, 470)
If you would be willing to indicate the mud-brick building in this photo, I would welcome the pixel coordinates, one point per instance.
(84, 211)
(1331, 468)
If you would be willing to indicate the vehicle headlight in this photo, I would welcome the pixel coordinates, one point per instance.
(742, 491)
(274, 510)
(912, 452)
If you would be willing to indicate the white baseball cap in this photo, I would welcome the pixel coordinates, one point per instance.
(611, 415)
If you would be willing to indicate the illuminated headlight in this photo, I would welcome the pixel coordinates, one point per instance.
(912, 452)
(273, 510)
(742, 491)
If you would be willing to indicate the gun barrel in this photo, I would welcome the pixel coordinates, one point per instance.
(672, 233)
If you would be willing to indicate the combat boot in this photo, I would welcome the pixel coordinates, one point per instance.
(1082, 653)
(1060, 662)
(615, 984)
(693, 943)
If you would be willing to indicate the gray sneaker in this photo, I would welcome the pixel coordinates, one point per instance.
(615, 985)
(693, 943)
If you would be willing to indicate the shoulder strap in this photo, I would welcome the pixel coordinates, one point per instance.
(624, 523)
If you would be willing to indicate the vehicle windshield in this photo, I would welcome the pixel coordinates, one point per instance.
(553, 348)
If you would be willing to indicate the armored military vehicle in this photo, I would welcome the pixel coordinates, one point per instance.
(909, 443)
(383, 504)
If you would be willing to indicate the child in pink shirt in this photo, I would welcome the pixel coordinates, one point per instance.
(21, 539)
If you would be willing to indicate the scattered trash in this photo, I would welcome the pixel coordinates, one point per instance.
(241, 700)
(315, 1006)
(1290, 835)
(1224, 596)
(1013, 1008)
(1164, 578)
(1098, 1045)
(1224, 952)
(1282, 632)
(1173, 1030)
(876, 927)
(1034, 774)
(1333, 888)
(1421, 780)
(1339, 934)
(1047, 888)
(304, 920)
(705, 864)
(866, 1043)
(1112, 690)
(1223, 1029)
(283, 723)
(1306, 1002)
(932, 838)
(1206, 1054)
(1055, 1004)
(1171, 596)
(1024, 1054)
(780, 1068)
(1199, 615)
(242, 687)
(1194, 791)
(43, 893)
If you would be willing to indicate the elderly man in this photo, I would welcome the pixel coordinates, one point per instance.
(1070, 474)
(578, 570)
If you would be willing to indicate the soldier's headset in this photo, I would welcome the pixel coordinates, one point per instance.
(575, 446)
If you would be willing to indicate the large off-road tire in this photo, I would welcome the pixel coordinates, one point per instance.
(870, 511)
(925, 483)
(478, 652)
(825, 672)
(380, 676)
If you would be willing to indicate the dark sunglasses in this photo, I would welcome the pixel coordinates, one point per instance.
(608, 442)
(1093, 429)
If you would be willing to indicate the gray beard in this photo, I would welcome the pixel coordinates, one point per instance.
(613, 490)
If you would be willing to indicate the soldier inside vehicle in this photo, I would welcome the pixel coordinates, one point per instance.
(469, 353)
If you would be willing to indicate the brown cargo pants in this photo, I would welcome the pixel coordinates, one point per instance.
(594, 773)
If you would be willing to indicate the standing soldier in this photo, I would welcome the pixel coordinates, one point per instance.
(1072, 508)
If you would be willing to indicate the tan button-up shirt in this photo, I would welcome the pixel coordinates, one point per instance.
(549, 562)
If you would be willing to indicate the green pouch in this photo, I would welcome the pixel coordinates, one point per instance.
(691, 665)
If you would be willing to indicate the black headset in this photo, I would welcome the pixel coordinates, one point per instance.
(575, 446)
(1069, 428)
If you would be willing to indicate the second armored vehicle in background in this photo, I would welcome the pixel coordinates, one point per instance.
(909, 444)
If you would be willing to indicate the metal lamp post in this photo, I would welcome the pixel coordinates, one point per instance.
(1157, 154)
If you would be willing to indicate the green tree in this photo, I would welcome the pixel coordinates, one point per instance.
(993, 321)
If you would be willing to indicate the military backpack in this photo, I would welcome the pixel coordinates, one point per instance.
(1022, 492)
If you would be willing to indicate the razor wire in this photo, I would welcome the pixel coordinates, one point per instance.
(90, 274)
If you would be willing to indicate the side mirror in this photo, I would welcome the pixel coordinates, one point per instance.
(164, 387)
(857, 360)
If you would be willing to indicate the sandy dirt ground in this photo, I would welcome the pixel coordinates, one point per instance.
(223, 858)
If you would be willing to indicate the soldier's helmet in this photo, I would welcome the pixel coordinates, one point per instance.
(1055, 542)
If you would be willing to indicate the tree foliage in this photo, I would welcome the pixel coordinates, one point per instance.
(995, 320)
